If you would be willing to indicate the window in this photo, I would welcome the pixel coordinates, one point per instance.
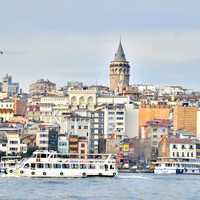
(174, 146)
(65, 166)
(183, 146)
(120, 113)
(82, 145)
(57, 166)
(106, 167)
(43, 135)
(111, 113)
(79, 127)
(13, 142)
(191, 154)
(32, 165)
(85, 127)
(191, 146)
(26, 165)
(83, 166)
(43, 155)
(40, 165)
(13, 149)
(183, 155)
(155, 130)
(177, 154)
(75, 166)
(43, 142)
(72, 127)
(112, 167)
(48, 165)
(188, 154)
(82, 151)
(92, 166)
(173, 154)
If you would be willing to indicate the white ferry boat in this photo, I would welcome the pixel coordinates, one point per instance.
(8, 162)
(52, 164)
(171, 166)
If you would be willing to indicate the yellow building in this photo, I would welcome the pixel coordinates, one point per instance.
(149, 112)
(185, 118)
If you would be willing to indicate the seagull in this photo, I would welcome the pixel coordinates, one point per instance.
(1, 52)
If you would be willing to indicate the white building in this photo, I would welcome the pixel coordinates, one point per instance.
(182, 148)
(131, 120)
(82, 98)
(47, 137)
(104, 100)
(114, 120)
(63, 144)
(76, 123)
(13, 143)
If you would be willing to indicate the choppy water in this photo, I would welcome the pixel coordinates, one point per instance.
(126, 186)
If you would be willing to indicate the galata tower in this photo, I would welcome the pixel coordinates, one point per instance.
(119, 71)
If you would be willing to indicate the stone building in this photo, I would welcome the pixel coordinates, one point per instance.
(42, 87)
(119, 71)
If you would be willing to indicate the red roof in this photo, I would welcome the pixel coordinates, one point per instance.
(175, 140)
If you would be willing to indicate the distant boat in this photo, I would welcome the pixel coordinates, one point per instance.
(175, 166)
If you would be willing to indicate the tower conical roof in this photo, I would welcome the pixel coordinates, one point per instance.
(120, 55)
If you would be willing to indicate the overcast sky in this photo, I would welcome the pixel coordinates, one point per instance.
(65, 40)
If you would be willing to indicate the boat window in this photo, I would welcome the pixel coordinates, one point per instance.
(38, 155)
(57, 166)
(26, 165)
(83, 166)
(48, 165)
(65, 166)
(112, 167)
(92, 166)
(74, 166)
(43, 155)
(106, 167)
(40, 165)
(32, 165)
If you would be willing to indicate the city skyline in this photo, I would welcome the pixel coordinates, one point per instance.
(78, 43)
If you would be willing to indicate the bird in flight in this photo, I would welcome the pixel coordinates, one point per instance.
(1, 52)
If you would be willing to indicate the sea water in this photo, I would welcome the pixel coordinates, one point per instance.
(125, 186)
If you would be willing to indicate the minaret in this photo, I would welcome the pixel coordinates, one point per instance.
(119, 71)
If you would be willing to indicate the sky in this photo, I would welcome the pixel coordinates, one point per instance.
(75, 40)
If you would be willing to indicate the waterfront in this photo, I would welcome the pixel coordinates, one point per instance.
(126, 186)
